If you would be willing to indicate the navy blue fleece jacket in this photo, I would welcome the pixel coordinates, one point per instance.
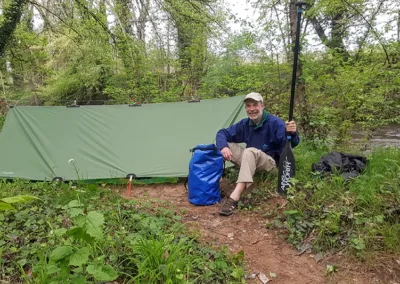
(269, 135)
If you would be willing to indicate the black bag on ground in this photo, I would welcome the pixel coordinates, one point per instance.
(349, 165)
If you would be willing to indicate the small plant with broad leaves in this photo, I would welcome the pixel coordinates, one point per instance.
(89, 234)
(6, 203)
(77, 259)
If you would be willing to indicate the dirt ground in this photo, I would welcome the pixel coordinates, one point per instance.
(265, 251)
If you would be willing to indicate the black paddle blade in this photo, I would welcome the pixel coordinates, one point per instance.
(286, 169)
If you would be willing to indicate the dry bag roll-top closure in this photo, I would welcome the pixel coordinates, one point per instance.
(205, 171)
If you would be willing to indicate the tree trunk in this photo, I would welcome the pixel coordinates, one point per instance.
(287, 23)
(168, 48)
(143, 8)
(338, 32)
(398, 26)
(125, 17)
(292, 21)
(12, 15)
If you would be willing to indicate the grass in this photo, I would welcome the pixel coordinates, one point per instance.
(361, 216)
(89, 234)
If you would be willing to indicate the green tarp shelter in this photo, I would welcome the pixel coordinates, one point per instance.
(110, 141)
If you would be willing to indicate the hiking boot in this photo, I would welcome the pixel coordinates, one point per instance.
(228, 206)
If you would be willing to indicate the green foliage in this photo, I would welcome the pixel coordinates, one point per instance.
(23, 67)
(5, 203)
(230, 79)
(2, 119)
(10, 16)
(29, 58)
(92, 235)
(176, 258)
(360, 215)
(341, 94)
(231, 75)
(82, 70)
(192, 20)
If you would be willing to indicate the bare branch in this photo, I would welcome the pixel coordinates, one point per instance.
(372, 29)
(283, 34)
(94, 16)
(55, 15)
(364, 37)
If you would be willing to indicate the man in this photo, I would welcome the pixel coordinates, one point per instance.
(265, 138)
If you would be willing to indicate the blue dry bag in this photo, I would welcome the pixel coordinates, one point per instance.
(205, 170)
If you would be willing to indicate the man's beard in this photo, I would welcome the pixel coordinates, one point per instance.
(258, 115)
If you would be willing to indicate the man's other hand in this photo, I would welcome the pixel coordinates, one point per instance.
(291, 126)
(227, 153)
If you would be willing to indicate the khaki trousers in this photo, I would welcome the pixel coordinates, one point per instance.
(250, 160)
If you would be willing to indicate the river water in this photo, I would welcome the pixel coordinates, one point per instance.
(384, 136)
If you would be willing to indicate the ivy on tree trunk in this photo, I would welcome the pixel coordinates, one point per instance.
(12, 15)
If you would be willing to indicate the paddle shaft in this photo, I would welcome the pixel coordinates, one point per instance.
(287, 162)
(296, 57)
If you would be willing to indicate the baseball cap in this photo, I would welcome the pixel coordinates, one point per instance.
(254, 96)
